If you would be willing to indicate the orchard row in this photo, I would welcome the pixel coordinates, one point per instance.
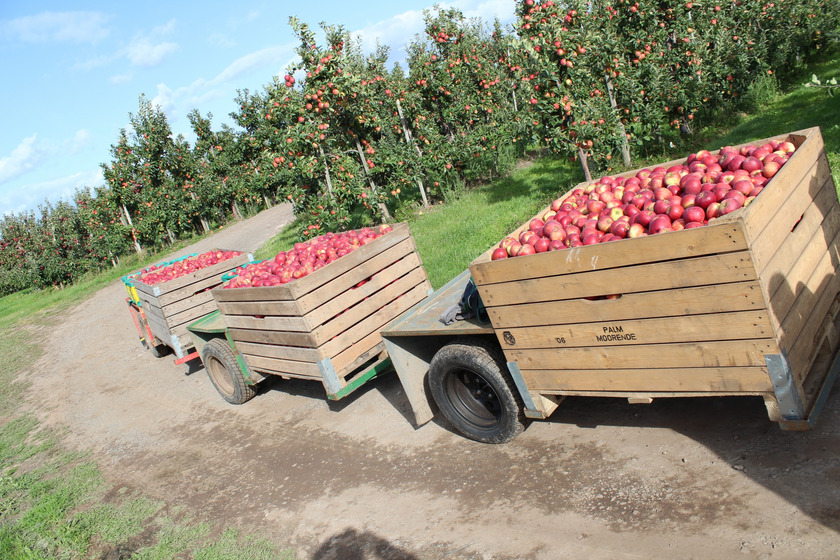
(348, 141)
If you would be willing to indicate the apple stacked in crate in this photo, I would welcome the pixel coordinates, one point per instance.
(645, 297)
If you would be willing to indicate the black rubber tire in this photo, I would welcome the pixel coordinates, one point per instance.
(223, 370)
(473, 389)
(159, 350)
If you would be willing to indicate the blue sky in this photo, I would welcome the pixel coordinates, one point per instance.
(70, 77)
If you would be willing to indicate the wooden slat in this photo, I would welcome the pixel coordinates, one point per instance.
(296, 289)
(158, 328)
(351, 317)
(259, 308)
(337, 303)
(802, 330)
(189, 315)
(740, 325)
(818, 258)
(779, 225)
(717, 380)
(758, 214)
(308, 369)
(820, 219)
(193, 300)
(740, 353)
(375, 321)
(347, 362)
(802, 297)
(279, 324)
(303, 340)
(708, 240)
(684, 273)
(738, 296)
(276, 351)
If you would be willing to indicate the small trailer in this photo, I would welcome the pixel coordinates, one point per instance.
(161, 312)
(748, 305)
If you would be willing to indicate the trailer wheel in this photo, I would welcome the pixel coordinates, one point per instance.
(472, 387)
(224, 372)
(157, 350)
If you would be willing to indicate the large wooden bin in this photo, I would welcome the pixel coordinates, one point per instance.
(324, 326)
(170, 306)
(744, 306)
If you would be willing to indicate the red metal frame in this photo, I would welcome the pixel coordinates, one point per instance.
(135, 313)
(187, 358)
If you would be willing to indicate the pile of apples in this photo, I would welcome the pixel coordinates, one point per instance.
(304, 258)
(653, 201)
(158, 274)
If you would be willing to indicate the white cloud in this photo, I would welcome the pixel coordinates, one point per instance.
(30, 196)
(142, 52)
(149, 49)
(61, 27)
(121, 78)
(23, 158)
(79, 142)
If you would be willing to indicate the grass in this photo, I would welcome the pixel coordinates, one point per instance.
(54, 503)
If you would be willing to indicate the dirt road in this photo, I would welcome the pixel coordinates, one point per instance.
(602, 479)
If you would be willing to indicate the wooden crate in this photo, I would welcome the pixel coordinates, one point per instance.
(742, 306)
(321, 326)
(170, 306)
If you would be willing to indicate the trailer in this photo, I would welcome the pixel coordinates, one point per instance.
(748, 305)
(161, 312)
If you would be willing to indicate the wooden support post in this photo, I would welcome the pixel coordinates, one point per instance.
(409, 139)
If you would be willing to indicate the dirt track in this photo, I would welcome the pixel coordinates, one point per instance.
(602, 479)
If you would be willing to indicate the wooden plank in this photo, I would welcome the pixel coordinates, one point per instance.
(639, 395)
(193, 300)
(348, 362)
(803, 344)
(821, 218)
(333, 305)
(347, 280)
(276, 351)
(685, 244)
(303, 340)
(817, 257)
(802, 297)
(740, 353)
(188, 316)
(718, 380)
(759, 213)
(259, 307)
(308, 369)
(780, 224)
(279, 324)
(738, 296)
(739, 325)
(375, 321)
(353, 317)
(684, 273)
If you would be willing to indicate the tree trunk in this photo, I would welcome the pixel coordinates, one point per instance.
(409, 139)
(382, 208)
(137, 246)
(625, 147)
(326, 169)
(584, 164)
